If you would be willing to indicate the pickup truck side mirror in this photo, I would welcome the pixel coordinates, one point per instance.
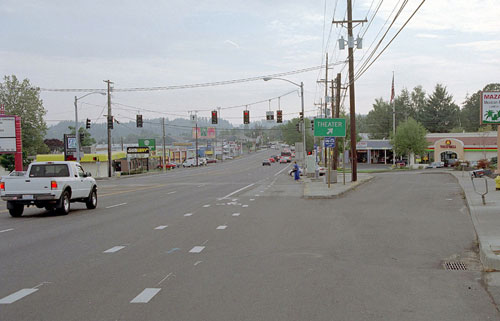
(87, 174)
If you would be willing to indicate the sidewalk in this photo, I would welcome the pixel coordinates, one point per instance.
(317, 188)
(486, 218)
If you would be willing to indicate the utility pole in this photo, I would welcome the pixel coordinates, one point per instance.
(110, 119)
(393, 121)
(337, 115)
(334, 161)
(352, 109)
(196, 135)
(164, 151)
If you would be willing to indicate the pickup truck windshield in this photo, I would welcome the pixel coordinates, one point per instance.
(49, 170)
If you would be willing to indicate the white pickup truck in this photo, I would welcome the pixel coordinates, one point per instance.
(53, 185)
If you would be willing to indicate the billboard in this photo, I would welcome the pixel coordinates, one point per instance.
(204, 132)
(8, 134)
(490, 107)
(148, 142)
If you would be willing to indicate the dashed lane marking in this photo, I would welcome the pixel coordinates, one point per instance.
(207, 205)
(188, 214)
(244, 205)
(17, 296)
(172, 192)
(161, 227)
(197, 262)
(252, 199)
(236, 214)
(146, 295)
(121, 204)
(114, 249)
(7, 230)
(196, 249)
(221, 227)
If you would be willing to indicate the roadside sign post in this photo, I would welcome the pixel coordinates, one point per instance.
(329, 143)
(329, 128)
(490, 113)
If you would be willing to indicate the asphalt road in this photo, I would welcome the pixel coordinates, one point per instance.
(235, 241)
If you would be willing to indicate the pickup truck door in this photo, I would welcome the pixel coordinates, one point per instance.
(84, 183)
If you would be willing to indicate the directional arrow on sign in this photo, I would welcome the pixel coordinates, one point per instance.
(330, 131)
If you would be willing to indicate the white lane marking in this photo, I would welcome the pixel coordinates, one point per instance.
(188, 214)
(257, 195)
(146, 295)
(244, 205)
(281, 171)
(197, 262)
(116, 205)
(114, 249)
(200, 186)
(204, 243)
(17, 296)
(207, 205)
(172, 192)
(221, 227)
(161, 227)
(165, 278)
(236, 191)
(7, 230)
(196, 249)
(261, 191)
(449, 199)
(252, 199)
(236, 214)
(234, 199)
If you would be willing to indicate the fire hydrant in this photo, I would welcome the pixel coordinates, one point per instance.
(497, 182)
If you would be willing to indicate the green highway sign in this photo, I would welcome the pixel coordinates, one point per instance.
(333, 127)
(151, 143)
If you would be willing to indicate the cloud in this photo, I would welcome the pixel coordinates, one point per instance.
(428, 35)
(485, 45)
(232, 43)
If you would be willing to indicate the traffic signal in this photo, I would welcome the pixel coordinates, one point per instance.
(301, 116)
(82, 136)
(246, 117)
(138, 120)
(214, 117)
(279, 116)
(110, 122)
(312, 124)
(297, 126)
(87, 125)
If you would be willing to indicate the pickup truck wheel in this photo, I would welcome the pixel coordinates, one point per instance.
(91, 201)
(65, 204)
(17, 211)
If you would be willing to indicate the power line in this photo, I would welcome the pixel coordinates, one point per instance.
(199, 85)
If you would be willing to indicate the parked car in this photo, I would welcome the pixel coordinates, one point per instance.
(228, 157)
(211, 161)
(68, 183)
(167, 165)
(276, 157)
(202, 160)
(435, 165)
(266, 162)
(190, 162)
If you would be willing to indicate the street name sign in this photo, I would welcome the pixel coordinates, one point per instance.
(330, 142)
(334, 127)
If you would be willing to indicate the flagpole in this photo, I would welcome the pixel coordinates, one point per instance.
(393, 122)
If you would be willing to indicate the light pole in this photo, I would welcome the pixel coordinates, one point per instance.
(301, 85)
(77, 128)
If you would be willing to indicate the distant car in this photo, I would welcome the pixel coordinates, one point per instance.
(211, 161)
(276, 157)
(435, 165)
(202, 160)
(228, 157)
(190, 162)
(283, 160)
(272, 160)
(321, 170)
(266, 162)
(168, 165)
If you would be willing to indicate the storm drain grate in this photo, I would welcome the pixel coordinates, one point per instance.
(455, 266)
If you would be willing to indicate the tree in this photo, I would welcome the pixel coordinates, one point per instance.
(87, 138)
(404, 107)
(440, 114)
(55, 145)
(22, 99)
(410, 138)
(291, 135)
(379, 120)
(469, 114)
(418, 102)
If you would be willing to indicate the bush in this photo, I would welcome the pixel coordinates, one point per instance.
(483, 163)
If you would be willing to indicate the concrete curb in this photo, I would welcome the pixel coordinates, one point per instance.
(337, 195)
(489, 259)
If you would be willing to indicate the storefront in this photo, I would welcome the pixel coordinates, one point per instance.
(452, 147)
(374, 151)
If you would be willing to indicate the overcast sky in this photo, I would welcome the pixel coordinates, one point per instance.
(78, 44)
